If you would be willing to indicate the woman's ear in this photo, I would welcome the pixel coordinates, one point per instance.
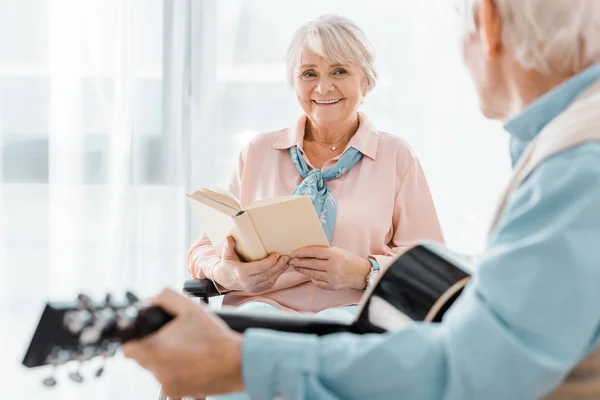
(490, 28)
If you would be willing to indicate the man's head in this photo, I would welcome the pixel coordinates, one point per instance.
(516, 50)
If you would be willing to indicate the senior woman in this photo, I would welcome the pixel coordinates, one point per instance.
(367, 186)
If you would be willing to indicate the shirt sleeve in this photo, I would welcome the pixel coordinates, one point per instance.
(415, 218)
(526, 319)
(202, 257)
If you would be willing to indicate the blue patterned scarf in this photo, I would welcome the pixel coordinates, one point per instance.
(314, 185)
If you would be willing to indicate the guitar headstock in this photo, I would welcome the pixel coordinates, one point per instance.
(83, 329)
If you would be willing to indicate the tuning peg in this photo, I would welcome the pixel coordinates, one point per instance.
(105, 317)
(51, 380)
(76, 376)
(111, 350)
(99, 371)
(85, 302)
(131, 298)
(76, 321)
(126, 317)
(108, 350)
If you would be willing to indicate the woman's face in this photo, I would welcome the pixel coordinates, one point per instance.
(329, 93)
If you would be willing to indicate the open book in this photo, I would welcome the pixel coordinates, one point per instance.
(276, 225)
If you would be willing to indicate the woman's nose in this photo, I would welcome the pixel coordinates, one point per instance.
(324, 85)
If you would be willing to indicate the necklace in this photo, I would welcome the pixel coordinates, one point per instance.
(332, 148)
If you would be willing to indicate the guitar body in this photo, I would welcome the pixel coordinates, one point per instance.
(420, 285)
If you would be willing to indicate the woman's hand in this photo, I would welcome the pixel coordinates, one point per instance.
(332, 268)
(178, 354)
(252, 277)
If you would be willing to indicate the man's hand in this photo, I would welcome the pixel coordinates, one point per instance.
(332, 268)
(252, 277)
(194, 355)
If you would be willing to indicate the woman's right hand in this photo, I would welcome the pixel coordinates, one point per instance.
(252, 277)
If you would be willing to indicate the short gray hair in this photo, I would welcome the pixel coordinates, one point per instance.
(336, 39)
(540, 33)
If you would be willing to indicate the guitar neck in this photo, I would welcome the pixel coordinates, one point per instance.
(152, 319)
(285, 323)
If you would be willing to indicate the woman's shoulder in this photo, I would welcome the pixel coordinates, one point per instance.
(393, 145)
(266, 140)
(396, 153)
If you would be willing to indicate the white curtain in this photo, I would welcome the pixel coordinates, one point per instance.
(95, 132)
(110, 110)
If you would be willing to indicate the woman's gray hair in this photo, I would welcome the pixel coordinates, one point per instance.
(336, 39)
(563, 34)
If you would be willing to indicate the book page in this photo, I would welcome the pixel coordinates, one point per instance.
(225, 198)
(227, 194)
(215, 219)
(272, 200)
(289, 225)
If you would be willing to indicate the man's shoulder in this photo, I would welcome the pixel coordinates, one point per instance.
(576, 169)
(582, 157)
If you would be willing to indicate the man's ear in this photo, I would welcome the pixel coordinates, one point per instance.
(490, 28)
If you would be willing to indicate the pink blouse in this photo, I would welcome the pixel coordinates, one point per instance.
(384, 205)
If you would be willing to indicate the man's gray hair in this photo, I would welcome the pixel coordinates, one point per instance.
(336, 39)
(564, 34)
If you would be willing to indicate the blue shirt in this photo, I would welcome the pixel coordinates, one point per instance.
(530, 314)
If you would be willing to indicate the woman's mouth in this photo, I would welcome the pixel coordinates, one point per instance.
(327, 102)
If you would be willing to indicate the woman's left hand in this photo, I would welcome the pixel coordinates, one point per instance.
(332, 268)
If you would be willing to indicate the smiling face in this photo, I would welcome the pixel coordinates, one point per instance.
(328, 92)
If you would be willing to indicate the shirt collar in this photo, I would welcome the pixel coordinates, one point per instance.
(365, 139)
(526, 125)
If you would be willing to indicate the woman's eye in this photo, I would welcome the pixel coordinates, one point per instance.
(340, 71)
(309, 74)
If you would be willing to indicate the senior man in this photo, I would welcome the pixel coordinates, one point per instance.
(528, 325)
